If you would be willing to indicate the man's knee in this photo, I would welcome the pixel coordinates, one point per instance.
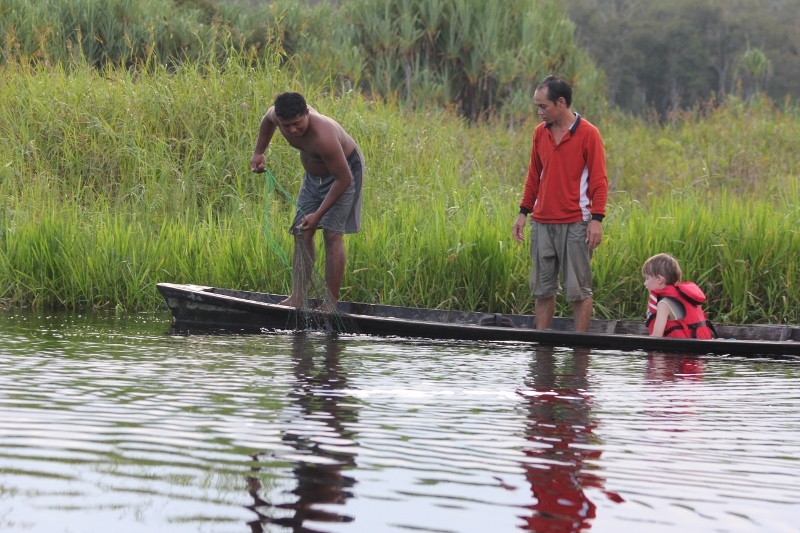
(331, 238)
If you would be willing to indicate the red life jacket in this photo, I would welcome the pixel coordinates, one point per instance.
(694, 324)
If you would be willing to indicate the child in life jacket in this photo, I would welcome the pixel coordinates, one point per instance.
(674, 309)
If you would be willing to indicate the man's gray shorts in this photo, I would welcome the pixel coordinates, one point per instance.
(560, 247)
(345, 215)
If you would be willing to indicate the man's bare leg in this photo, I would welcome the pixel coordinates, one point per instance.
(302, 266)
(544, 311)
(335, 260)
(583, 313)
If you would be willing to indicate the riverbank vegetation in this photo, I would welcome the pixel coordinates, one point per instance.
(116, 178)
(482, 58)
(668, 54)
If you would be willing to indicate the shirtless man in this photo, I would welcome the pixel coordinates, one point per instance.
(330, 195)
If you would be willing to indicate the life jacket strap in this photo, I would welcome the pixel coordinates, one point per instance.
(673, 328)
(694, 327)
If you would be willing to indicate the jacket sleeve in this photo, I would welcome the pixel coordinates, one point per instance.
(531, 190)
(595, 156)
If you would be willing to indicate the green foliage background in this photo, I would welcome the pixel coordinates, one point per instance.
(483, 58)
(120, 172)
(666, 55)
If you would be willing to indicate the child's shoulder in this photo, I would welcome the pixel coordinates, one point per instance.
(674, 306)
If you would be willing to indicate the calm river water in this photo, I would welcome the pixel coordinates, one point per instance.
(114, 424)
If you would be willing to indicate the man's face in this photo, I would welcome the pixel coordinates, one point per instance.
(548, 110)
(295, 126)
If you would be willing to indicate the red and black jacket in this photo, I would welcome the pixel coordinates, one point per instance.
(694, 324)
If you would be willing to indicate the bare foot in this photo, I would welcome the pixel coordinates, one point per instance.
(289, 302)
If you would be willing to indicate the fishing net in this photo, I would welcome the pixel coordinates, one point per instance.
(315, 309)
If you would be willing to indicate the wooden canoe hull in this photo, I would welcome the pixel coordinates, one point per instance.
(200, 307)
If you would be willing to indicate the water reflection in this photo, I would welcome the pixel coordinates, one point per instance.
(663, 367)
(319, 431)
(560, 429)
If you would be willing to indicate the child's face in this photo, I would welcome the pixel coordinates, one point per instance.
(654, 283)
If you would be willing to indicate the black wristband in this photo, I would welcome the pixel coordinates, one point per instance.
(597, 217)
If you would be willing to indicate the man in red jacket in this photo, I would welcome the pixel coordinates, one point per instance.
(565, 194)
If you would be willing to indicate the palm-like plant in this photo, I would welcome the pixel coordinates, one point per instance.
(756, 65)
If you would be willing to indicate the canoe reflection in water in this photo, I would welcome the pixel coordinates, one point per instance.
(322, 414)
(561, 429)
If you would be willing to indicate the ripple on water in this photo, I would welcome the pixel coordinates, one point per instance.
(112, 420)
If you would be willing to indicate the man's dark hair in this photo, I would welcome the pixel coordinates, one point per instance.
(556, 88)
(290, 105)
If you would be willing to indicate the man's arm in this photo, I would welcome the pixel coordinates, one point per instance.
(265, 132)
(530, 192)
(598, 188)
(532, 179)
(598, 179)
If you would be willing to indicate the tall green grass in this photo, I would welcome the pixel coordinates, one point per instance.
(744, 148)
(113, 181)
(739, 250)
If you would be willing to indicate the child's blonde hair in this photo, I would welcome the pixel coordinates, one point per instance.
(663, 265)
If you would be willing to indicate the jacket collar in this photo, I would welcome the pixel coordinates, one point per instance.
(573, 128)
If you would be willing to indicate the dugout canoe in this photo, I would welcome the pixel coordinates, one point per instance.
(197, 307)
